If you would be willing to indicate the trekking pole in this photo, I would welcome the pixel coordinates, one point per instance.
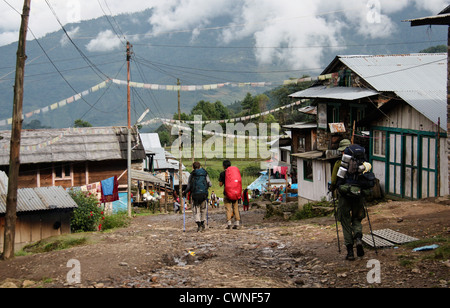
(370, 226)
(335, 218)
(184, 214)
(207, 217)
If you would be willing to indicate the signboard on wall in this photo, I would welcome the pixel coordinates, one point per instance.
(337, 128)
(322, 116)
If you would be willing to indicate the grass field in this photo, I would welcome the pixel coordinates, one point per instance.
(214, 167)
(244, 153)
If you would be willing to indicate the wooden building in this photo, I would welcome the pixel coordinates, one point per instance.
(41, 212)
(72, 157)
(441, 19)
(393, 105)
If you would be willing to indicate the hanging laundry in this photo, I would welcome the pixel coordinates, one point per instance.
(110, 190)
(283, 171)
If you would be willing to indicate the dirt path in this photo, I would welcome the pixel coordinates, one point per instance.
(155, 252)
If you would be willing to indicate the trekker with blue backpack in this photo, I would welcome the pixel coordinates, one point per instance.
(198, 185)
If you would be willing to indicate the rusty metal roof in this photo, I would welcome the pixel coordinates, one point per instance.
(312, 110)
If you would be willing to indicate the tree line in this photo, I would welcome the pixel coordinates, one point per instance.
(250, 105)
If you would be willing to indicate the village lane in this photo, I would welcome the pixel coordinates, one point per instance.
(154, 252)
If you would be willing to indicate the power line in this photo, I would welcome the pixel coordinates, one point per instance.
(58, 60)
(94, 68)
(114, 29)
(150, 94)
(66, 70)
(115, 21)
(407, 68)
(104, 92)
(287, 47)
(228, 71)
(48, 57)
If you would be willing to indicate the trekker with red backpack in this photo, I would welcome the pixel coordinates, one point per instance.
(231, 179)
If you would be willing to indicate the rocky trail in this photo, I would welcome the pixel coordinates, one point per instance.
(154, 252)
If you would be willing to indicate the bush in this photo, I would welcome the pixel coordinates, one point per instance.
(118, 220)
(213, 173)
(88, 215)
(313, 209)
(305, 213)
(253, 171)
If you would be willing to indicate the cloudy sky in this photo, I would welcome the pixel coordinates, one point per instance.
(271, 23)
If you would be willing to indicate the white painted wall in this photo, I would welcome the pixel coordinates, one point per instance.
(318, 188)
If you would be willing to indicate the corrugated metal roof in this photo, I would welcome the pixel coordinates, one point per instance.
(150, 141)
(72, 144)
(309, 155)
(309, 110)
(341, 93)
(185, 176)
(445, 11)
(36, 199)
(145, 176)
(419, 79)
(3, 183)
(161, 159)
(442, 18)
(302, 125)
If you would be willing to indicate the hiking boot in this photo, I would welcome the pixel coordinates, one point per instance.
(235, 227)
(228, 227)
(350, 256)
(199, 226)
(202, 225)
(359, 247)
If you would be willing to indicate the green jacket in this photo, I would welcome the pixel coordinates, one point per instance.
(334, 176)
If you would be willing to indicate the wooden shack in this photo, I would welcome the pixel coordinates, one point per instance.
(394, 106)
(71, 157)
(41, 212)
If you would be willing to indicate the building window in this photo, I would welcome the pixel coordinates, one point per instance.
(357, 113)
(307, 170)
(284, 156)
(379, 143)
(301, 144)
(333, 113)
(63, 172)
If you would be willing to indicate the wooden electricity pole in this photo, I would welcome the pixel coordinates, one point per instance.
(129, 133)
(14, 152)
(180, 172)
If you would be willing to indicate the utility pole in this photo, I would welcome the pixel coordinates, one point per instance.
(180, 171)
(129, 132)
(14, 152)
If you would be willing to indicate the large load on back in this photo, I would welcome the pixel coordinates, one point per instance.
(233, 183)
(199, 185)
(355, 171)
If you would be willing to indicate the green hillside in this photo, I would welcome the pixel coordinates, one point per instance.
(157, 60)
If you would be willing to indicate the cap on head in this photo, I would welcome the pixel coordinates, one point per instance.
(344, 144)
